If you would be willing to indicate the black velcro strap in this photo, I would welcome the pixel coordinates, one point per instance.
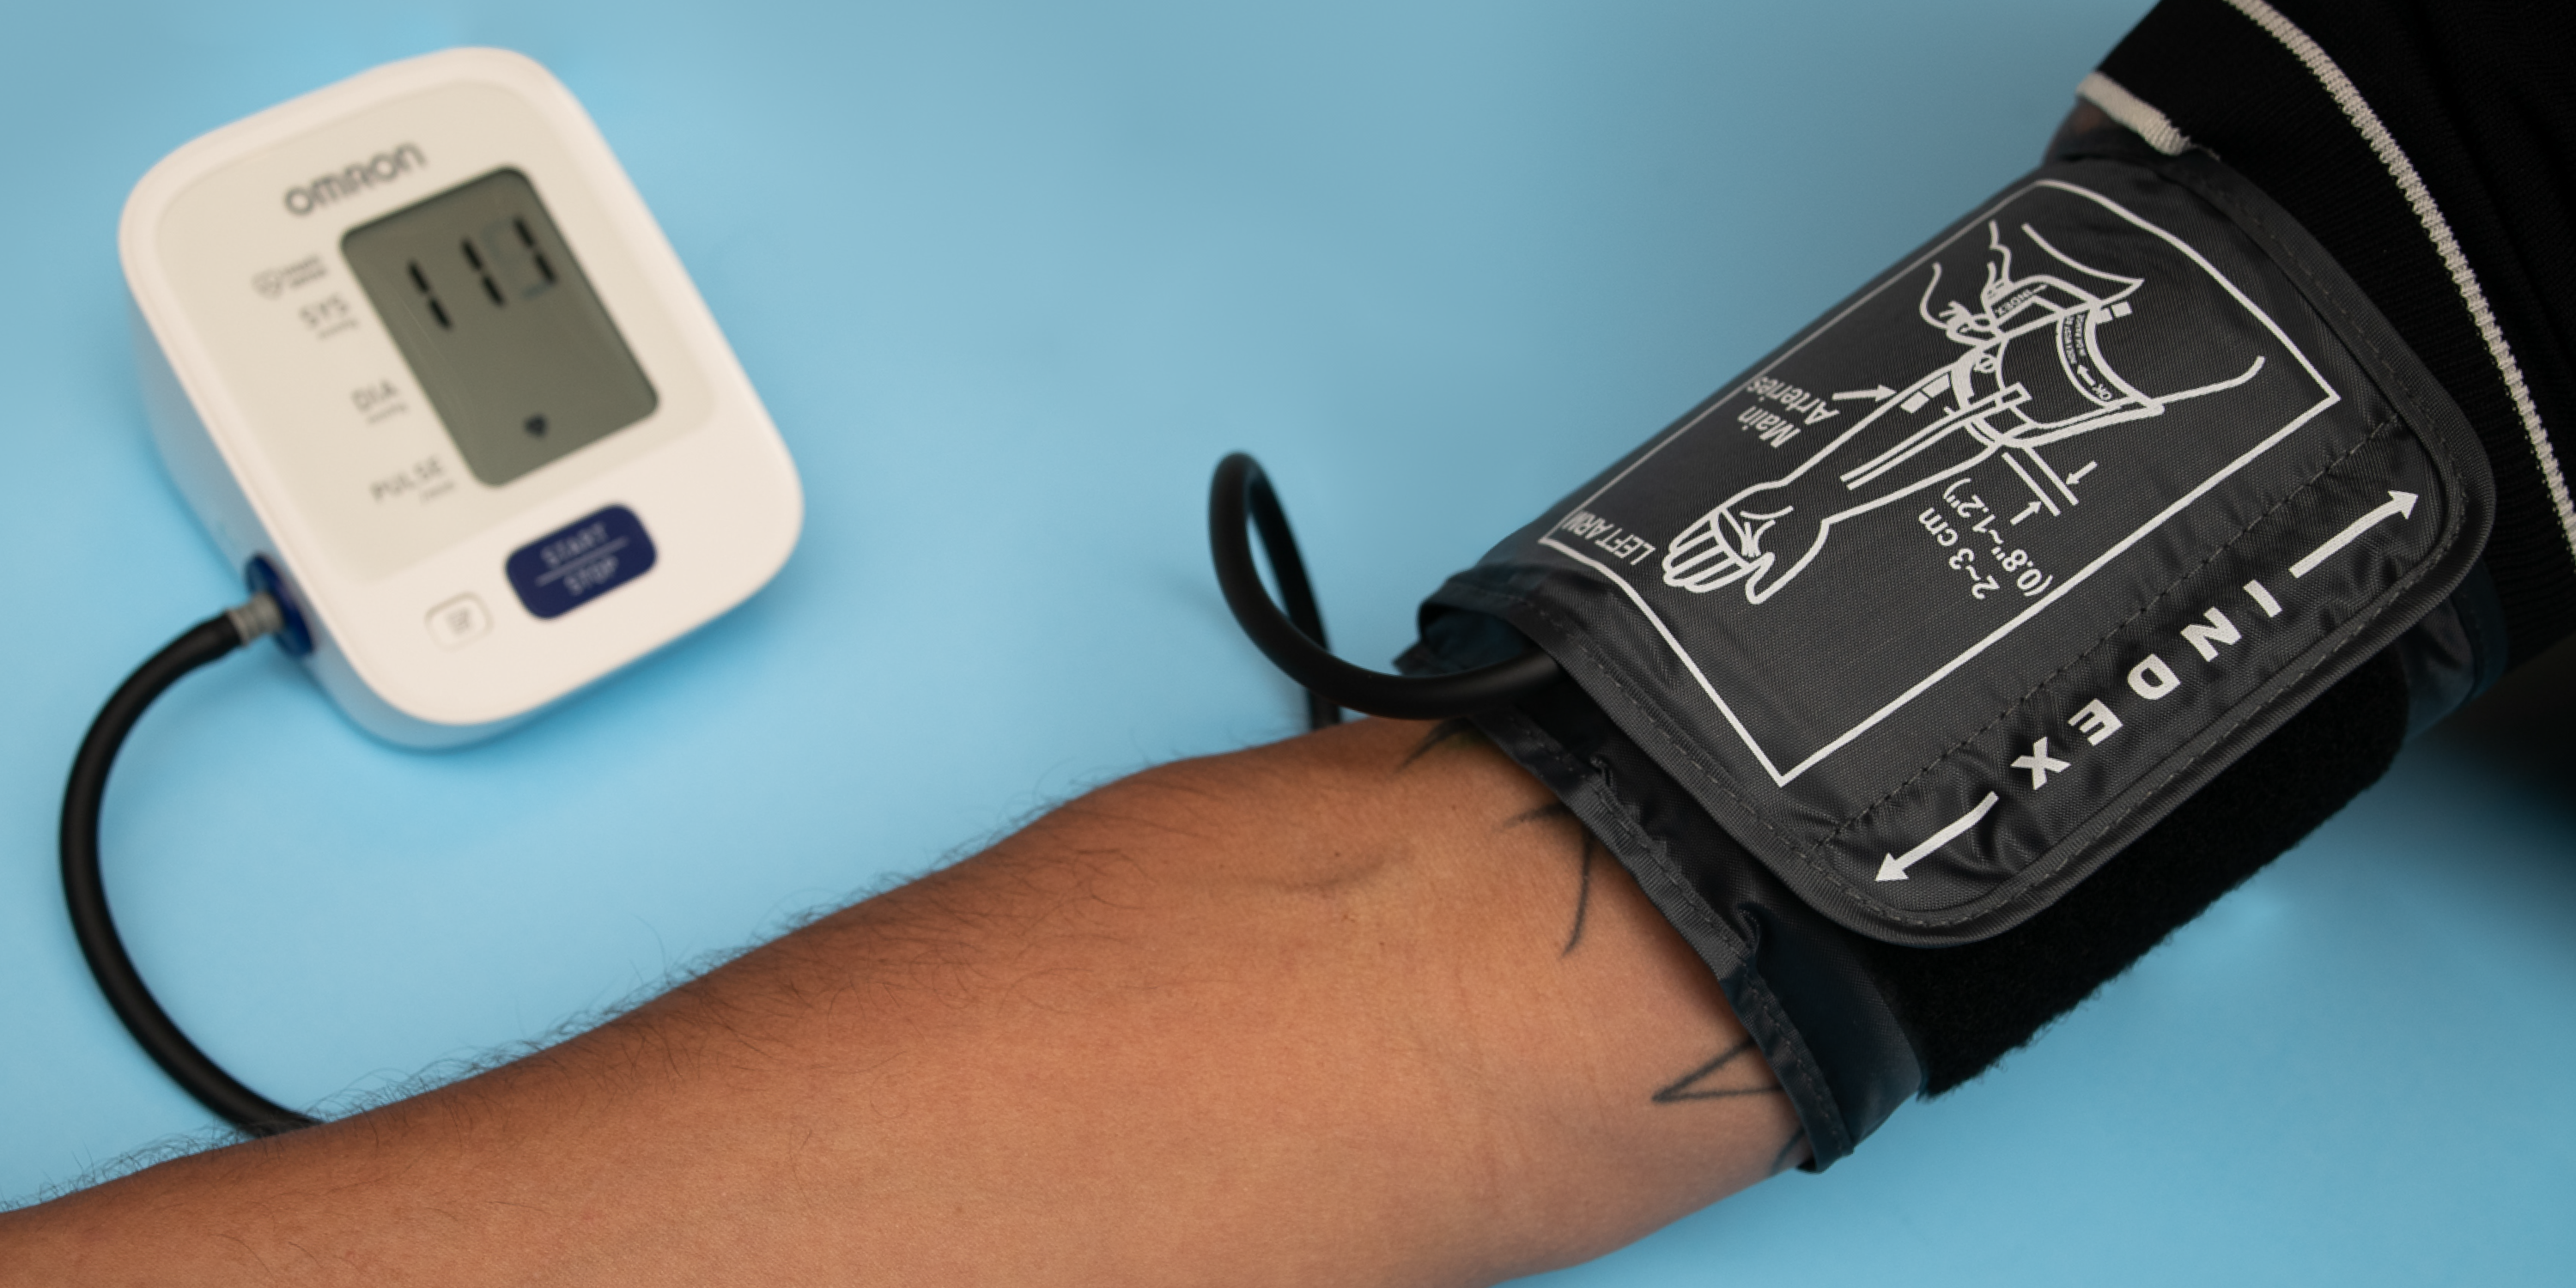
(1966, 1006)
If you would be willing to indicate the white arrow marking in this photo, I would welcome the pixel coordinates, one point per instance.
(1880, 394)
(2040, 764)
(2401, 504)
(1894, 868)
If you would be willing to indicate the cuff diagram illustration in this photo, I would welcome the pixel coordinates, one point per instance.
(2031, 374)
(1923, 503)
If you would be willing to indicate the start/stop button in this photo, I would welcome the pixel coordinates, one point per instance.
(569, 567)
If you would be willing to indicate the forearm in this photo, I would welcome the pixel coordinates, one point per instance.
(1356, 1008)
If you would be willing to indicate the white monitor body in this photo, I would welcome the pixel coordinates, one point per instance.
(414, 340)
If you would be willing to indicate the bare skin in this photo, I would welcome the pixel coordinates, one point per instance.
(1363, 1007)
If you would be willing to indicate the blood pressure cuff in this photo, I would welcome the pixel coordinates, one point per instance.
(2118, 488)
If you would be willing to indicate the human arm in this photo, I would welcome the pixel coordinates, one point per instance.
(1364, 1006)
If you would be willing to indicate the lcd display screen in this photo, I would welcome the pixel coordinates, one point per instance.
(502, 330)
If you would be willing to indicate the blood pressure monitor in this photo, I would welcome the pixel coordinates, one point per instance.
(422, 362)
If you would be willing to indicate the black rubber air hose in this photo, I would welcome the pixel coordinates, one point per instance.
(1294, 640)
(86, 892)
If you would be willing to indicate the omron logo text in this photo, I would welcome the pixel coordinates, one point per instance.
(350, 180)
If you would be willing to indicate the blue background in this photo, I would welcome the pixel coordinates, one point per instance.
(1011, 277)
